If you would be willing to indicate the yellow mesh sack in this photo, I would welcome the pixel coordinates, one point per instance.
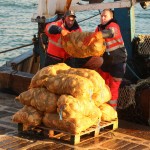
(26, 97)
(44, 101)
(70, 84)
(70, 107)
(28, 115)
(83, 44)
(108, 112)
(92, 75)
(101, 96)
(71, 125)
(39, 98)
(51, 70)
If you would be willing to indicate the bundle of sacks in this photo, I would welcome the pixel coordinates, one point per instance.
(65, 98)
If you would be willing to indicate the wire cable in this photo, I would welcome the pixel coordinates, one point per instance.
(16, 48)
(88, 18)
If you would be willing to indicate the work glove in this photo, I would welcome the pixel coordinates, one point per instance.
(107, 33)
(55, 29)
(64, 32)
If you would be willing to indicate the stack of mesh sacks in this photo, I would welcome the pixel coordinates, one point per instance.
(69, 99)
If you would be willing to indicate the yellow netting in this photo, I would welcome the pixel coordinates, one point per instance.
(71, 125)
(71, 84)
(70, 107)
(51, 70)
(28, 115)
(92, 75)
(83, 44)
(108, 112)
(39, 98)
(70, 99)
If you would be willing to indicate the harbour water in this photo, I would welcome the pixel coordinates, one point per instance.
(16, 28)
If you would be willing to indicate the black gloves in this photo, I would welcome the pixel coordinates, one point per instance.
(107, 33)
(55, 29)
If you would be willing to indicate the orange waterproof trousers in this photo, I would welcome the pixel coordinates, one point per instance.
(113, 85)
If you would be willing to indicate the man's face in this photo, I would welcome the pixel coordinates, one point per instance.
(105, 17)
(70, 21)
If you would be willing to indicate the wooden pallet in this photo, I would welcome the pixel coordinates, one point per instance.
(63, 136)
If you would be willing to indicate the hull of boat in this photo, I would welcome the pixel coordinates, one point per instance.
(16, 75)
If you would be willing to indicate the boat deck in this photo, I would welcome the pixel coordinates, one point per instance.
(127, 136)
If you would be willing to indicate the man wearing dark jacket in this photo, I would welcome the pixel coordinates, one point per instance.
(114, 59)
(112, 65)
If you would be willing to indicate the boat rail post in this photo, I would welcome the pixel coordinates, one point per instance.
(126, 19)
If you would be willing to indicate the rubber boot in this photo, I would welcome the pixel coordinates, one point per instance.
(113, 85)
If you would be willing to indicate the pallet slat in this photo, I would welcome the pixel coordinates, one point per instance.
(74, 139)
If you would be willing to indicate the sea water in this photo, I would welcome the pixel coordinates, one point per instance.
(16, 28)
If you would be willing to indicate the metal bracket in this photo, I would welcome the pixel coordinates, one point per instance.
(44, 19)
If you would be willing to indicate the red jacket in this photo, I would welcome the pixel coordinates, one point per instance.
(54, 44)
(115, 42)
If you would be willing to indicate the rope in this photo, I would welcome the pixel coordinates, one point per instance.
(15, 48)
(133, 72)
(89, 18)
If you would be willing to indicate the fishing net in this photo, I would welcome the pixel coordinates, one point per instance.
(130, 102)
(143, 45)
(127, 93)
(126, 96)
